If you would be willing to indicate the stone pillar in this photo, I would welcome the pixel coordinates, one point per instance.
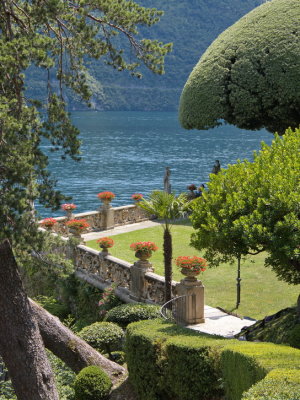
(107, 220)
(138, 287)
(191, 308)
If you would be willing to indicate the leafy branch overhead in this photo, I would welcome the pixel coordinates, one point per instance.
(59, 37)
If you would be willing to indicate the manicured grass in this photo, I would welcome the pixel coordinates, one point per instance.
(262, 293)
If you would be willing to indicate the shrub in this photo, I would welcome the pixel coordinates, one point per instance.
(247, 363)
(108, 301)
(294, 337)
(103, 336)
(127, 313)
(193, 367)
(279, 384)
(92, 384)
(164, 354)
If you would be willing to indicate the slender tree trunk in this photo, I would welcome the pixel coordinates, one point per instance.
(75, 352)
(168, 263)
(21, 345)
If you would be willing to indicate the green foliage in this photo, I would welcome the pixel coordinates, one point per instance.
(253, 207)
(247, 363)
(103, 336)
(250, 75)
(184, 364)
(279, 384)
(92, 383)
(108, 300)
(57, 37)
(127, 313)
(64, 378)
(53, 306)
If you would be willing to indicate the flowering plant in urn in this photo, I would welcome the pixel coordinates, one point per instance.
(106, 197)
(68, 207)
(105, 243)
(143, 250)
(48, 223)
(137, 196)
(191, 265)
(78, 224)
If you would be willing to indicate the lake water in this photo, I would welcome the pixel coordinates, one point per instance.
(127, 152)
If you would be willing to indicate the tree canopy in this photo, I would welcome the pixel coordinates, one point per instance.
(250, 75)
(253, 207)
(60, 37)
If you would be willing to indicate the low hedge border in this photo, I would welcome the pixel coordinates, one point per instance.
(184, 364)
(279, 384)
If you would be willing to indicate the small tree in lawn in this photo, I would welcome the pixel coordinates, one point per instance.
(168, 207)
(253, 207)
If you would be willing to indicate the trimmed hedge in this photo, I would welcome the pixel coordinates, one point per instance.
(103, 336)
(279, 384)
(182, 364)
(179, 362)
(127, 313)
(92, 383)
(245, 364)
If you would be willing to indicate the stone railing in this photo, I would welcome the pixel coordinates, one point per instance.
(105, 218)
(136, 280)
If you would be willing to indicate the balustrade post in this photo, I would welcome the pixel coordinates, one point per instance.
(191, 310)
(138, 286)
(108, 218)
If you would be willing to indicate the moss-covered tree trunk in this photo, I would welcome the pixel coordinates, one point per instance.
(168, 263)
(21, 345)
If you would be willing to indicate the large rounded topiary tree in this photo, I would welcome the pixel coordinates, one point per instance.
(250, 75)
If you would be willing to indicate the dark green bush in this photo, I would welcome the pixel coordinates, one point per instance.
(294, 337)
(127, 313)
(103, 336)
(279, 384)
(92, 384)
(245, 364)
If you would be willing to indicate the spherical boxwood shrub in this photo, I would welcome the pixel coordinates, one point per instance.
(92, 384)
(127, 313)
(103, 336)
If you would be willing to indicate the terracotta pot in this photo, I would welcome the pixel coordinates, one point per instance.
(143, 255)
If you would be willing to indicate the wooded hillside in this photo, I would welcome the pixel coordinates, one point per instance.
(191, 25)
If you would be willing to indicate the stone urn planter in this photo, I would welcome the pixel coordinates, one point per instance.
(143, 255)
(190, 274)
(77, 226)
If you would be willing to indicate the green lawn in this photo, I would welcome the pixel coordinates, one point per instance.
(262, 293)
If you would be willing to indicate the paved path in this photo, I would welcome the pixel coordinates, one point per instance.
(219, 323)
(216, 322)
(120, 229)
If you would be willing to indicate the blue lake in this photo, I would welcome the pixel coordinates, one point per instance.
(127, 152)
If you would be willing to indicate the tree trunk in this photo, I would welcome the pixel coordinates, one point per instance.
(298, 307)
(75, 352)
(21, 345)
(168, 264)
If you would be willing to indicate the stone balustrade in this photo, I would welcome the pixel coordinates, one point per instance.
(105, 218)
(102, 270)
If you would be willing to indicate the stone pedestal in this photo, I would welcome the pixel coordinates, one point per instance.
(138, 286)
(192, 309)
(107, 220)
